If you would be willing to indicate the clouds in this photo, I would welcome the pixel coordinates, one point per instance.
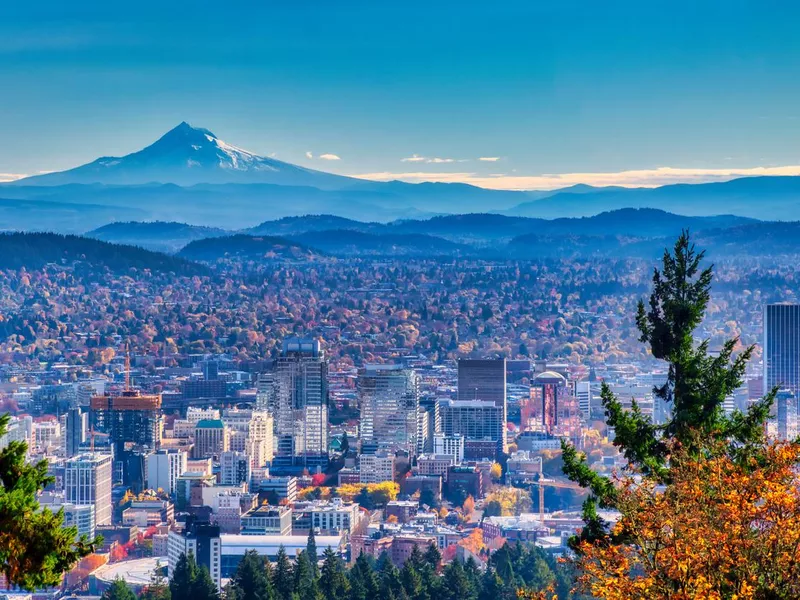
(414, 158)
(489, 158)
(632, 178)
(10, 177)
(325, 156)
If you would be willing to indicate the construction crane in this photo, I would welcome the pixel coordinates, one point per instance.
(553, 483)
(127, 367)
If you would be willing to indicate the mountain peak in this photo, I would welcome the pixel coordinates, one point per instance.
(186, 132)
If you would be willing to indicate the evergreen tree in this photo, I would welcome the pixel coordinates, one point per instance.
(282, 577)
(333, 580)
(35, 548)
(696, 387)
(364, 584)
(311, 551)
(191, 582)
(412, 580)
(455, 583)
(345, 444)
(391, 585)
(118, 590)
(433, 557)
(251, 581)
(491, 586)
(416, 558)
(306, 585)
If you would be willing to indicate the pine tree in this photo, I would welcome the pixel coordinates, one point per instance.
(333, 580)
(456, 584)
(35, 548)
(306, 585)
(696, 387)
(118, 590)
(251, 581)
(491, 586)
(364, 584)
(282, 577)
(311, 551)
(191, 581)
(412, 580)
(433, 557)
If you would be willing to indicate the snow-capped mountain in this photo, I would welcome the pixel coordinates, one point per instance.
(189, 155)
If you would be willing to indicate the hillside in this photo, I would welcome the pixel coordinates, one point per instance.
(34, 250)
(356, 243)
(246, 247)
(161, 236)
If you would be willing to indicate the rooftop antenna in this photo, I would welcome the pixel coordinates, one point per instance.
(127, 367)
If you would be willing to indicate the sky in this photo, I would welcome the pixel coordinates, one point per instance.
(518, 94)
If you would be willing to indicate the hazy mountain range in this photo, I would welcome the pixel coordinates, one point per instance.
(189, 175)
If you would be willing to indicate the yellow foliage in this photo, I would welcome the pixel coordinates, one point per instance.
(720, 529)
(513, 501)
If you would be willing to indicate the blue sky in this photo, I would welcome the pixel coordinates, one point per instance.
(603, 92)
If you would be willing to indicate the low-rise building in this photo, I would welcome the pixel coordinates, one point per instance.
(267, 520)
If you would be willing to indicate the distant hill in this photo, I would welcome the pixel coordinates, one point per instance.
(246, 247)
(161, 236)
(296, 225)
(34, 250)
(62, 217)
(757, 197)
(356, 243)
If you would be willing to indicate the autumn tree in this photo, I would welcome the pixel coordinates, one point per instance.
(697, 384)
(723, 528)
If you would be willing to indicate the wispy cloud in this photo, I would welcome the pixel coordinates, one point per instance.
(414, 158)
(439, 161)
(10, 177)
(309, 156)
(489, 158)
(329, 157)
(633, 178)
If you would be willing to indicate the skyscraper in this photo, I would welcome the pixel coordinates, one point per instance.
(484, 380)
(301, 403)
(782, 347)
(164, 467)
(389, 400)
(87, 480)
(76, 431)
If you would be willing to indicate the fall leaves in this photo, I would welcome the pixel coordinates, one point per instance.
(723, 528)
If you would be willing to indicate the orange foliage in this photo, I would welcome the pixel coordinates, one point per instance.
(721, 529)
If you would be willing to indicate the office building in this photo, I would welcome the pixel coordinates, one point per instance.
(451, 445)
(480, 422)
(87, 481)
(203, 541)
(782, 347)
(210, 438)
(389, 400)
(77, 431)
(301, 403)
(234, 468)
(375, 468)
(276, 489)
(163, 469)
(267, 520)
(251, 431)
(484, 380)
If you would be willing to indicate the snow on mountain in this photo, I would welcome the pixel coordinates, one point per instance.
(189, 155)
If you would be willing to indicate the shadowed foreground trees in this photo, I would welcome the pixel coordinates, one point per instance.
(35, 547)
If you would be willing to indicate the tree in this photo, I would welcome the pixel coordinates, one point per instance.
(455, 583)
(35, 548)
(282, 577)
(722, 528)
(697, 385)
(191, 581)
(364, 499)
(118, 590)
(492, 508)
(251, 580)
(469, 506)
(333, 580)
(311, 552)
(433, 557)
(364, 584)
(345, 446)
(305, 581)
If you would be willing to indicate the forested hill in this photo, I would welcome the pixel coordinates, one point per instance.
(34, 250)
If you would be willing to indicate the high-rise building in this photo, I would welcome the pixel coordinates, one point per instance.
(484, 380)
(481, 423)
(200, 539)
(80, 516)
(164, 467)
(210, 370)
(234, 468)
(211, 438)
(247, 429)
(76, 431)
(450, 445)
(782, 347)
(389, 400)
(87, 480)
(266, 391)
(301, 403)
(786, 414)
